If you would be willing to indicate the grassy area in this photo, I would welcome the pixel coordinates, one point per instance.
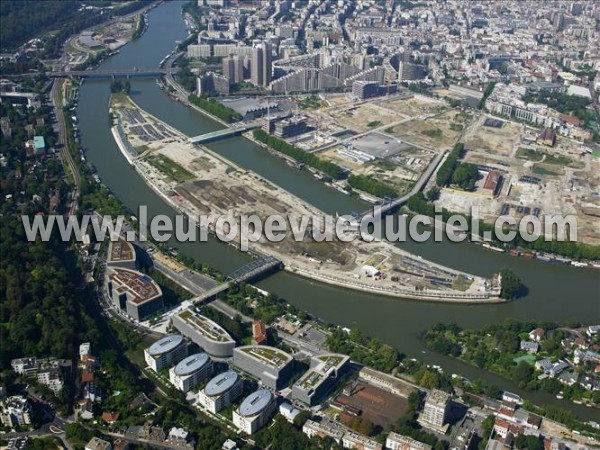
(529, 154)
(374, 123)
(434, 133)
(310, 102)
(456, 127)
(529, 359)
(461, 283)
(542, 170)
(141, 148)
(559, 160)
(170, 168)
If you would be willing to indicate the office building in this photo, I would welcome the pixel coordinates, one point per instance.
(207, 334)
(410, 72)
(134, 292)
(255, 411)
(121, 254)
(365, 89)
(16, 412)
(221, 391)
(435, 411)
(357, 441)
(211, 83)
(190, 371)
(325, 428)
(324, 372)
(261, 66)
(290, 127)
(396, 441)
(233, 68)
(272, 366)
(165, 352)
(198, 51)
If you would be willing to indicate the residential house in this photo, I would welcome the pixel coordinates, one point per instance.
(530, 347)
(537, 335)
(568, 378)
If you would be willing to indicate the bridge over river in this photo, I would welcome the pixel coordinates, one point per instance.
(112, 73)
(248, 272)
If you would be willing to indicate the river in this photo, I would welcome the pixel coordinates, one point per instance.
(557, 293)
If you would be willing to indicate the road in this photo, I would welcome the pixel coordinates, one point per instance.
(381, 209)
(64, 147)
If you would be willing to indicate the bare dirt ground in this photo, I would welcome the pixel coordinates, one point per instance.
(376, 405)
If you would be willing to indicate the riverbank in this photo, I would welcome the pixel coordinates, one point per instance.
(227, 187)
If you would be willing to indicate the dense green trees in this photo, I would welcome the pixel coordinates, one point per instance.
(215, 108)
(372, 186)
(564, 103)
(284, 436)
(185, 76)
(331, 169)
(369, 352)
(446, 170)
(465, 176)
(510, 284)
(120, 86)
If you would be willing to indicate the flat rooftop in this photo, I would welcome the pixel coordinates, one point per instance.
(139, 287)
(120, 251)
(438, 398)
(323, 365)
(207, 327)
(271, 356)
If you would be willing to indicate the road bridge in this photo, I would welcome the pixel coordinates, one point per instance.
(251, 271)
(222, 134)
(419, 185)
(111, 73)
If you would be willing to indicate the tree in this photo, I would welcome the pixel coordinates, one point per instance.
(522, 373)
(465, 176)
(510, 284)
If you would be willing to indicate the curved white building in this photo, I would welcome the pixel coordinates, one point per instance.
(165, 352)
(190, 371)
(207, 334)
(255, 411)
(221, 391)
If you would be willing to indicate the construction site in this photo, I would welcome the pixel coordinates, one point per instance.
(534, 177)
(197, 181)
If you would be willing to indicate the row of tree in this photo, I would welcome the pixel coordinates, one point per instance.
(372, 186)
(446, 170)
(331, 169)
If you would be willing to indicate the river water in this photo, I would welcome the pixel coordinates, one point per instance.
(555, 292)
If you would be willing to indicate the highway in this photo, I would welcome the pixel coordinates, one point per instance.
(64, 146)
